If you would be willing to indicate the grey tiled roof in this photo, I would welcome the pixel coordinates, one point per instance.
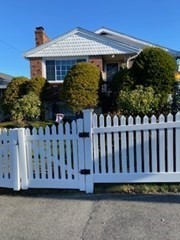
(81, 42)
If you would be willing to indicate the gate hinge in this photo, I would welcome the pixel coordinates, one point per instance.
(85, 171)
(84, 134)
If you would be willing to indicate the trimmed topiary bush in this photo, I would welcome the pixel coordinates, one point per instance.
(154, 67)
(81, 85)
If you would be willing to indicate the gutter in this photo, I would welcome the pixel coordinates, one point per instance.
(131, 58)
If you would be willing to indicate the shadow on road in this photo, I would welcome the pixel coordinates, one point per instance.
(76, 195)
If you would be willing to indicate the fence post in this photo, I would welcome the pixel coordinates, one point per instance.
(23, 158)
(87, 122)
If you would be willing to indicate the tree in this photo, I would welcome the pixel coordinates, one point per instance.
(81, 85)
(16, 89)
(26, 108)
(154, 67)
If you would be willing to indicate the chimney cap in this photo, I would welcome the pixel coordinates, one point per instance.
(39, 28)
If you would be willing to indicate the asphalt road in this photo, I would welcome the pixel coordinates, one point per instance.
(89, 217)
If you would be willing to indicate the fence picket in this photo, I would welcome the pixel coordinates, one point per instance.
(81, 155)
(131, 146)
(138, 147)
(109, 146)
(170, 165)
(154, 146)
(5, 155)
(54, 154)
(95, 145)
(123, 147)
(161, 146)
(1, 157)
(177, 144)
(116, 147)
(74, 151)
(48, 154)
(146, 146)
(42, 149)
(30, 154)
(102, 146)
(68, 152)
(36, 157)
(62, 152)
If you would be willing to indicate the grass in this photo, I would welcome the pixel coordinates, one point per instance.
(138, 188)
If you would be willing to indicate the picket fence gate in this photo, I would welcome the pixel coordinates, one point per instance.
(95, 149)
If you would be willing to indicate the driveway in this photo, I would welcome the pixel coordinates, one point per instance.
(89, 217)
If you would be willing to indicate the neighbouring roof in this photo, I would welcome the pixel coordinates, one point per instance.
(4, 80)
(81, 42)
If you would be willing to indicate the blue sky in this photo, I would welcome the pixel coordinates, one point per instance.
(157, 21)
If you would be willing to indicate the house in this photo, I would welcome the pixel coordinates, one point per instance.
(5, 79)
(107, 49)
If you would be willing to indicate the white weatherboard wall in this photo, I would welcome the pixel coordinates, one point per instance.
(108, 150)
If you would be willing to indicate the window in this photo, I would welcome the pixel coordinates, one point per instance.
(56, 70)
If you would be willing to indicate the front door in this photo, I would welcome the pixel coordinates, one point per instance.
(111, 69)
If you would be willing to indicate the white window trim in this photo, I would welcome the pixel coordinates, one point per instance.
(58, 59)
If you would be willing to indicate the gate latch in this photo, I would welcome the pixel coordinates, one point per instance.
(84, 134)
(85, 171)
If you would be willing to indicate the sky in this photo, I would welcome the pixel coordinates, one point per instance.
(156, 21)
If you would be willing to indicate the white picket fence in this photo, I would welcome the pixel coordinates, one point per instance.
(136, 150)
(95, 149)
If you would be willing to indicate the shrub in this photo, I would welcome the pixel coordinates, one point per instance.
(154, 67)
(39, 86)
(81, 85)
(26, 108)
(122, 80)
(16, 89)
(140, 101)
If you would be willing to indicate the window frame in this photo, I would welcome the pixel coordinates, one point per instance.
(44, 73)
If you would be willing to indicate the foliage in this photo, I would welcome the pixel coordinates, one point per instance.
(175, 106)
(81, 85)
(154, 67)
(140, 101)
(122, 80)
(26, 108)
(16, 89)
(38, 85)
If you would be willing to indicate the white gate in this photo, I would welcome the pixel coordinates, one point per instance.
(56, 156)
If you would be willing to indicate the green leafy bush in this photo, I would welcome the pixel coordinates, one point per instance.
(38, 85)
(16, 89)
(140, 101)
(81, 85)
(154, 67)
(26, 108)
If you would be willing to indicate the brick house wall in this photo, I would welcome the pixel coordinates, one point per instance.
(98, 61)
(36, 67)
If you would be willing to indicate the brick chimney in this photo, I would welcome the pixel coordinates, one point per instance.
(40, 36)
